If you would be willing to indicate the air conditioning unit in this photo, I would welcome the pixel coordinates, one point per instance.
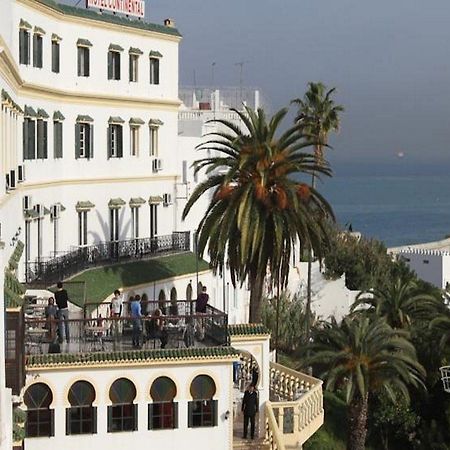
(39, 209)
(54, 212)
(7, 182)
(167, 199)
(26, 203)
(157, 164)
(12, 179)
(20, 174)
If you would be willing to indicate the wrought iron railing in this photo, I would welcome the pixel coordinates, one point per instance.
(81, 258)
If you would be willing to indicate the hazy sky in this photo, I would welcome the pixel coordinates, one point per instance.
(389, 59)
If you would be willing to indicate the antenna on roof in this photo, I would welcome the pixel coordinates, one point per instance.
(241, 65)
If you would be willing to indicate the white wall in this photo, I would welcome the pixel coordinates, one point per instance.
(429, 265)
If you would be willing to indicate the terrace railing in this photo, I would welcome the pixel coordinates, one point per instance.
(50, 270)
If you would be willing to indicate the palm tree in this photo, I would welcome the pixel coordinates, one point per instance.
(401, 304)
(362, 356)
(258, 209)
(318, 116)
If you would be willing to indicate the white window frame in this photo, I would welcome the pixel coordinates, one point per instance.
(84, 142)
(153, 141)
(135, 222)
(84, 64)
(134, 140)
(82, 228)
(134, 68)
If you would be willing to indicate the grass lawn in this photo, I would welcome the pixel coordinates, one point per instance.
(102, 281)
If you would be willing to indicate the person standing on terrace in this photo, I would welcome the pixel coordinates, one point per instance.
(202, 301)
(62, 300)
(136, 315)
(116, 311)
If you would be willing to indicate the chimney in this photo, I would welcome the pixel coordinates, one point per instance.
(169, 23)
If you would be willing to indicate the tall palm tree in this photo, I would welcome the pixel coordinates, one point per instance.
(318, 115)
(400, 304)
(258, 209)
(362, 356)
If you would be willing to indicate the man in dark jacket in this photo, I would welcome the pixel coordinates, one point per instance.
(62, 300)
(250, 407)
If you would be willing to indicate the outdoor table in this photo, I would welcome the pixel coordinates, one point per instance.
(97, 333)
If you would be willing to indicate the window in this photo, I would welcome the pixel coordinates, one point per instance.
(154, 71)
(113, 65)
(153, 141)
(134, 67)
(83, 61)
(202, 410)
(24, 47)
(122, 414)
(153, 220)
(114, 224)
(37, 50)
(40, 418)
(42, 139)
(84, 140)
(81, 417)
(163, 412)
(115, 141)
(55, 56)
(82, 228)
(134, 141)
(57, 139)
(135, 221)
(29, 138)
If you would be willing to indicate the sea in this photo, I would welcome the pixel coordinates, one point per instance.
(397, 210)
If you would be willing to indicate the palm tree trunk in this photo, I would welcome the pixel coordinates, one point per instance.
(256, 286)
(357, 423)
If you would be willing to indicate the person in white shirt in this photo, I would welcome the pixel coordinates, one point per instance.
(116, 311)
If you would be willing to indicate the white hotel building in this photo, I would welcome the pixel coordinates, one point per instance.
(95, 172)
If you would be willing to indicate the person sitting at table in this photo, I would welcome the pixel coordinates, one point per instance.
(50, 318)
(156, 328)
(136, 315)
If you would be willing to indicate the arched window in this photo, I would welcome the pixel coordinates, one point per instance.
(199, 288)
(189, 292)
(40, 418)
(122, 414)
(81, 417)
(163, 412)
(162, 301)
(173, 302)
(202, 410)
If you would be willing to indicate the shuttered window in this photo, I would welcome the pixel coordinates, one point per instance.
(115, 141)
(57, 140)
(153, 141)
(83, 61)
(134, 141)
(84, 140)
(134, 65)
(113, 65)
(42, 152)
(37, 50)
(24, 47)
(55, 56)
(154, 71)
(29, 139)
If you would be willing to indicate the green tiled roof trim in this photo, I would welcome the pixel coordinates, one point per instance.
(39, 30)
(58, 115)
(135, 51)
(24, 25)
(124, 357)
(116, 119)
(55, 37)
(82, 118)
(155, 122)
(136, 121)
(115, 48)
(84, 43)
(155, 54)
(15, 256)
(42, 113)
(30, 112)
(94, 15)
(245, 329)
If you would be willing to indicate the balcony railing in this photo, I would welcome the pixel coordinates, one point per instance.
(81, 258)
(296, 406)
(179, 328)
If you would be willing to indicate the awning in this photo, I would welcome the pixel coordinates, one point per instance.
(24, 25)
(154, 54)
(115, 48)
(137, 201)
(58, 116)
(42, 114)
(84, 206)
(155, 122)
(30, 112)
(116, 203)
(56, 38)
(84, 43)
(155, 199)
(135, 51)
(82, 118)
(136, 121)
(39, 30)
(116, 120)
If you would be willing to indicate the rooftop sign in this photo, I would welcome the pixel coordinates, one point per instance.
(128, 7)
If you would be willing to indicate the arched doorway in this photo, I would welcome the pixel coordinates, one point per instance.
(173, 302)
(162, 301)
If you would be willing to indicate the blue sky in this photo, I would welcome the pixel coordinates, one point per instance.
(389, 59)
